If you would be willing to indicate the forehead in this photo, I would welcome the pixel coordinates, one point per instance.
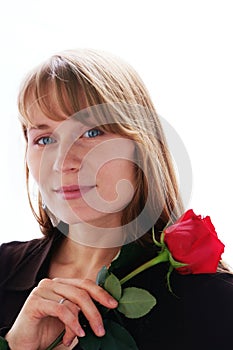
(37, 114)
(92, 116)
(56, 101)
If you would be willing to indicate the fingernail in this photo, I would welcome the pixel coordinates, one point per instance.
(68, 343)
(101, 330)
(81, 332)
(113, 302)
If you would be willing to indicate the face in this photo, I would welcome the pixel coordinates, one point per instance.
(83, 174)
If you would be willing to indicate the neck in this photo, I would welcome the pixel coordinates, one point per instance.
(96, 237)
(83, 258)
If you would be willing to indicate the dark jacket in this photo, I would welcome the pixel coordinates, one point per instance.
(199, 315)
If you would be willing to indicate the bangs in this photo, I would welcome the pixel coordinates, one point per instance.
(67, 84)
(61, 91)
(55, 89)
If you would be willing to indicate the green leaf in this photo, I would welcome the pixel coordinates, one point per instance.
(116, 338)
(102, 275)
(3, 344)
(90, 341)
(136, 302)
(113, 286)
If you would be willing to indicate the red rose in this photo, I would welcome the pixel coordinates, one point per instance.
(193, 240)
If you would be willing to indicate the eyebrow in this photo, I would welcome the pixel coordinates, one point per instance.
(39, 127)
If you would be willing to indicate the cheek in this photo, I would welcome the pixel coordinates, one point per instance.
(116, 176)
(117, 169)
(34, 165)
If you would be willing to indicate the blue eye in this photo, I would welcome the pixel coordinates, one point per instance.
(93, 133)
(47, 140)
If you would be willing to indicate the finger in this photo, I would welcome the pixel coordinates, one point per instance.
(54, 290)
(95, 291)
(80, 297)
(66, 314)
(69, 337)
(80, 292)
(46, 290)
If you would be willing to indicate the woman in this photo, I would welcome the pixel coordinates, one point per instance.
(96, 149)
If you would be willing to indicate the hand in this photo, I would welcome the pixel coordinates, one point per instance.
(42, 317)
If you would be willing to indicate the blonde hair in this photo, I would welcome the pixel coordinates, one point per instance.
(126, 108)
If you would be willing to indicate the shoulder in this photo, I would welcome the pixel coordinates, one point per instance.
(202, 299)
(201, 308)
(22, 262)
(205, 285)
(16, 250)
(207, 299)
(13, 254)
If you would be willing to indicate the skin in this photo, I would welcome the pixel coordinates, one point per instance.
(73, 157)
(64, 153)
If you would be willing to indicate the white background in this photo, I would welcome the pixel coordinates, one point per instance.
(183, 52)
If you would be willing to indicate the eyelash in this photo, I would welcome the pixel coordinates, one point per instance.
(99, 133)
(37, 142)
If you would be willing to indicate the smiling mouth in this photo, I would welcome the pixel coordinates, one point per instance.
(73, 191)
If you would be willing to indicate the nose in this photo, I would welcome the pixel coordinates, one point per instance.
(67, 160)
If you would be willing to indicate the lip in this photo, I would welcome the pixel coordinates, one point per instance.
(72, 191)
